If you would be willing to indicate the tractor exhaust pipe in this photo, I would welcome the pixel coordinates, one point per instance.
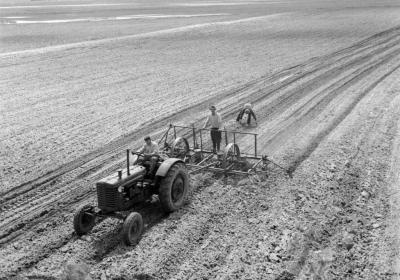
(127, 162)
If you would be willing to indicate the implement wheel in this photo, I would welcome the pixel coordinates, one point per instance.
(84, 219)
(180, 148)
(132, 228)
(174, 188)
(231, 155)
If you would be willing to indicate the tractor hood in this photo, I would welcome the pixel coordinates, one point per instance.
(114, 180)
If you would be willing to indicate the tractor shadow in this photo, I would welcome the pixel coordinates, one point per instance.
(111, 241)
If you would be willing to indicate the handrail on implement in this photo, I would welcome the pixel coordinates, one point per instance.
(193, 130)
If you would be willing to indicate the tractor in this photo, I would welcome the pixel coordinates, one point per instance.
(123, 191)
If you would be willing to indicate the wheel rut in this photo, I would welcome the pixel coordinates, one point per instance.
(255, 89)
(62, 188)
(319, 138)
(20, 196)
(313, 107)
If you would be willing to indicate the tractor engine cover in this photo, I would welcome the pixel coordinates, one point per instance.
(109, 199)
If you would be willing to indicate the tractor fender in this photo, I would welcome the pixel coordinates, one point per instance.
(166, 165)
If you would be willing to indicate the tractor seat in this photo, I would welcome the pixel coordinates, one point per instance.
(147, 164)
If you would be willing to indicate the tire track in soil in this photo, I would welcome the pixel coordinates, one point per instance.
(191, 236)
(322, 135)
(152, 215)
(292, 96)
(108, 150)
(330, 76)
(109, 240)
(306, 113)
(16, 225)
(42, 183)
(338, 82)
(86, 158)
(80, 161)
(275, 107)
(197, 227)
(229, 221)
(363, 74)
(51, 178)
(103, 245)
(354, 173)
(167, 266)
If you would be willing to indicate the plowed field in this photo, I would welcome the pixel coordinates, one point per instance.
(323, 79)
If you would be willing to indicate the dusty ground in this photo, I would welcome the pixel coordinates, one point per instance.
(324, 79)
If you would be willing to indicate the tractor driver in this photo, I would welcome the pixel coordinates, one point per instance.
(150, 152)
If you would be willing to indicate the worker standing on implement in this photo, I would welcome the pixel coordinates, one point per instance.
(216, 122)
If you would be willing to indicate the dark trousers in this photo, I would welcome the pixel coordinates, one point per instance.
(216, 138)
(151, 159)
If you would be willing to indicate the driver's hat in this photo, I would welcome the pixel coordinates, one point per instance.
(147, 138)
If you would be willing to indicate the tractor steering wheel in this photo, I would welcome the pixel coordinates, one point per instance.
(136, 156)
(137, 153)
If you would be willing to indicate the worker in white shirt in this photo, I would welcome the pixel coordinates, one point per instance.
(150, 153)
(216, 122)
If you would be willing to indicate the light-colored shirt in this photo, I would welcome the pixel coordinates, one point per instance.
(214, 120)
(149, 149)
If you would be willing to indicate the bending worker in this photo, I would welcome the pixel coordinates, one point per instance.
(245, 115)
(150, 152)
(216, 122)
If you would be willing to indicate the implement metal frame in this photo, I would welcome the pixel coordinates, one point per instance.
(201, 132)
(207, 162)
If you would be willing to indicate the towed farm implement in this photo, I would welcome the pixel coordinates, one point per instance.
(231, 161)
(118, 194)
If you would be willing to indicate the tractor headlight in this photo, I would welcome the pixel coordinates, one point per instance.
(120, 189)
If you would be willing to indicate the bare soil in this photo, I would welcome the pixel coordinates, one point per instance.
(325, 89)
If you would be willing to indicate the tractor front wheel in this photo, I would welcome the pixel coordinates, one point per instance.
(84, 219)
(132, 228)
(174, 188)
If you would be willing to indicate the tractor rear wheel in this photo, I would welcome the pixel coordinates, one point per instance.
(180, 148)
(132, 228)
(174, 188)
(84, 219)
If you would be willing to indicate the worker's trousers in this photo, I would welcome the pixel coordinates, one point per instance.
(216, 139)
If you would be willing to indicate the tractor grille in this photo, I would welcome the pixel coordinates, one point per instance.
(107, 197)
